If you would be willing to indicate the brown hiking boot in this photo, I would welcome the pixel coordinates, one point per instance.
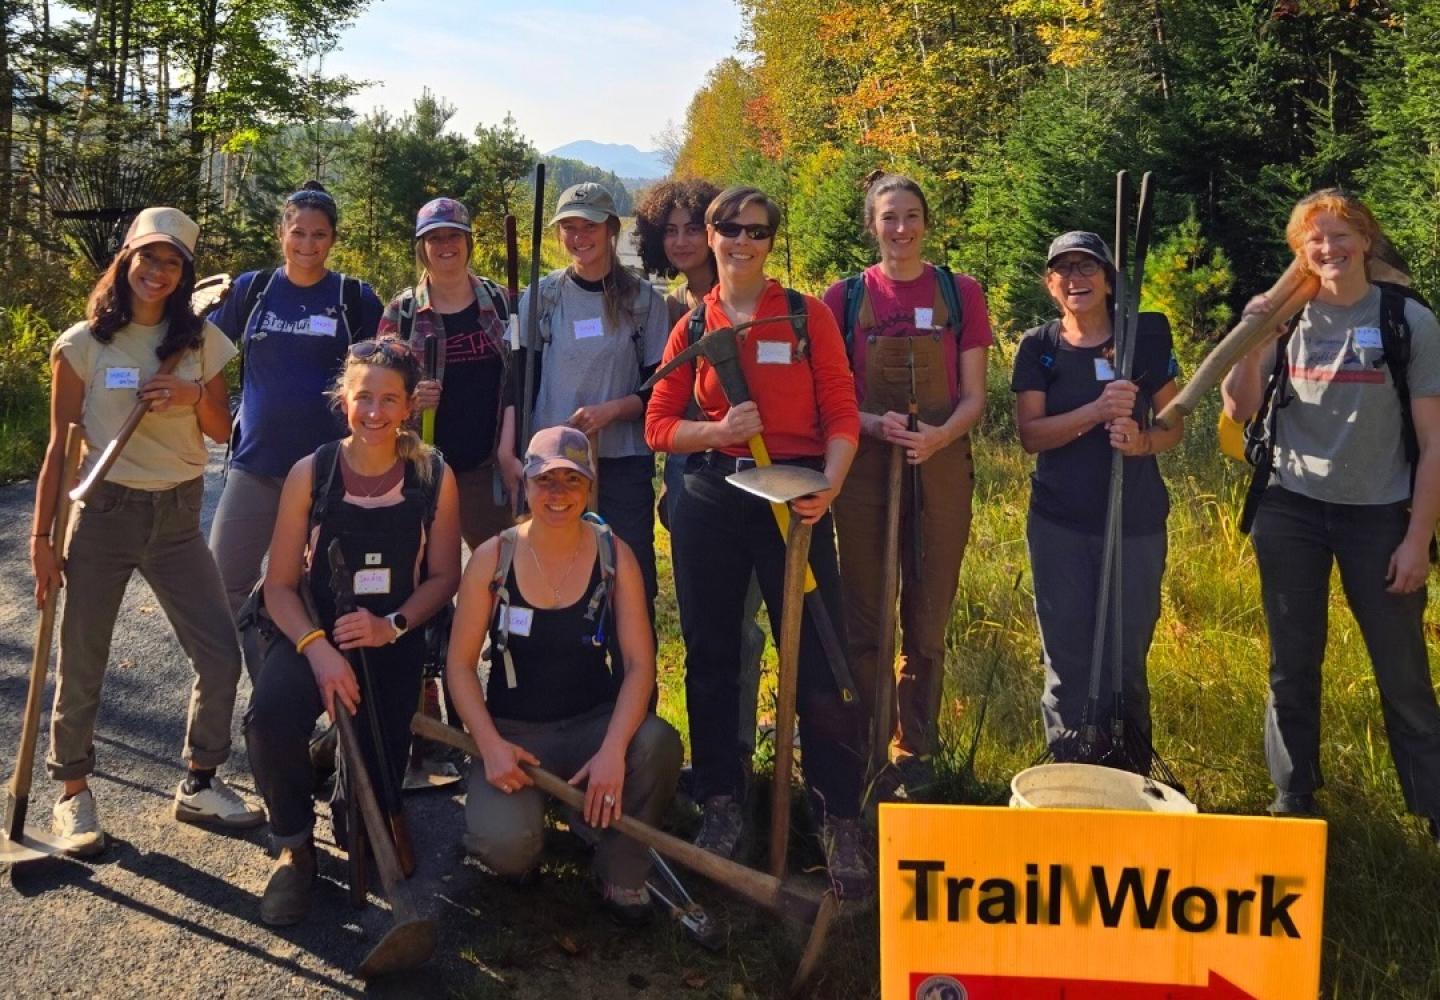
(287, 894)
(845, 857)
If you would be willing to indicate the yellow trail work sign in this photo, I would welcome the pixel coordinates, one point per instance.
(985, 903)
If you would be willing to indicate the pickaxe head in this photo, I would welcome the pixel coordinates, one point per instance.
(722, 349)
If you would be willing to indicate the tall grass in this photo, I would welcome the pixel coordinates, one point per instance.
(25, 339)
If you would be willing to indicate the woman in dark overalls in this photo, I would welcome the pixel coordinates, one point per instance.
(392, 504)
(899, 318)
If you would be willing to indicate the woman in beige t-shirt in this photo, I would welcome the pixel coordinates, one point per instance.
(144, 516)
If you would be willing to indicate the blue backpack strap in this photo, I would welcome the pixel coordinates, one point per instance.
(854, 295)
(945, 283)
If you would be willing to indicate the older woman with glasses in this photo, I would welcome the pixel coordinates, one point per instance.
(803, 406)
(1072, 412)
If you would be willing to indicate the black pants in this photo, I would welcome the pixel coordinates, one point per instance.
(721, 535)
(627, 503)
(281, 719)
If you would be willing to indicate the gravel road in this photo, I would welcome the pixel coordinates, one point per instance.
(172, 910)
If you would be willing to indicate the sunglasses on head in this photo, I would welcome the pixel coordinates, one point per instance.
(389, 348)
(307, 195)
(730, 230)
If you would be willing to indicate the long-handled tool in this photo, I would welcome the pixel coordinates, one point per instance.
(682, 907)
(411, 941)
(767, 891)
(532, 324)
(722, 349)
(1284, 299)
(780, 484)
(17, 842)
(917, 482)
(208, 294)
(512, 269)
(432, 363)
(882, 711)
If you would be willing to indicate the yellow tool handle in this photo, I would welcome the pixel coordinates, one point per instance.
(781, 511)
(427, 426)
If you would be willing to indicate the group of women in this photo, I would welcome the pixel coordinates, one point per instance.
(326, 461)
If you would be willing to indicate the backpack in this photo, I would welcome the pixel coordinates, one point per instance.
(857, 302)
(596, 611)
(498, 301)
(1395, 337)
(795, 303)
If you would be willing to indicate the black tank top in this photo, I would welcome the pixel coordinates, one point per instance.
(559, 671)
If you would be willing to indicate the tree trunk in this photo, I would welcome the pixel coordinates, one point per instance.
(7, 121)
(92, 50)
(122, 56)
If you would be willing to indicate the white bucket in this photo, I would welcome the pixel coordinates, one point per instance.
(1090, 786)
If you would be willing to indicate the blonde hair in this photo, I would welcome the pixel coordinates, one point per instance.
(422, 261)
(408, 444)
(1339, 203)
(620, 285)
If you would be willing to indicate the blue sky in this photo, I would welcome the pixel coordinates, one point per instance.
(566, 69)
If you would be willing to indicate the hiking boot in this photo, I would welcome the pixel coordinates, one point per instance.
(217, 805)
(287, 894)
(77, 824)
(721, 823)
(1299, 805)
(631, 907)
(917, 776)
(845, 857)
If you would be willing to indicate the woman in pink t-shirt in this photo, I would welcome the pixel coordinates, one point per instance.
(909, 340)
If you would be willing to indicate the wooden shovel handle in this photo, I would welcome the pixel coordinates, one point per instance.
(122, 437)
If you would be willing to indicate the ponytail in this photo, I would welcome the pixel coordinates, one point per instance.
(410, 447)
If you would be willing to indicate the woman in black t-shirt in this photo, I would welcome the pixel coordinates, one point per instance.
(1071, 411)
(552, 697)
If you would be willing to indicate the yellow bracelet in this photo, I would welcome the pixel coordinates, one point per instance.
(308, 638)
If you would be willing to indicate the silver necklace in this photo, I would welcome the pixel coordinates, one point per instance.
(554, 588)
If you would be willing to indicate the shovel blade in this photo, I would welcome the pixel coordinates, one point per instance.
(33, 845)
(408, 945)
(779, 483)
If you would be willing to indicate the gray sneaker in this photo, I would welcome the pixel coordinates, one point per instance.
(845, 857)
(77, 824)
(721, 823)
(217, 805)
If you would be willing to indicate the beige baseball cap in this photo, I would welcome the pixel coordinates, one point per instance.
(585, 201)
(163, 225)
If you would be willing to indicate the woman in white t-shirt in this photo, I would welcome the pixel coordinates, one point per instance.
(144, 516)
(1354, 483)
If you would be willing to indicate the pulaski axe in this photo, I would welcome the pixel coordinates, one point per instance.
(763, 890)
(721, 348)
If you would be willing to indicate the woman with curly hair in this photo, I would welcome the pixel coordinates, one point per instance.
(670, 237)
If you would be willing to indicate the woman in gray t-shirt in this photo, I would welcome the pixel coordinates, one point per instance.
(602, 331)
(1347, 488)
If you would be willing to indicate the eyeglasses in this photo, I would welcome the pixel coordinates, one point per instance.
(390, 348)
(730, 230)
(1086, 267)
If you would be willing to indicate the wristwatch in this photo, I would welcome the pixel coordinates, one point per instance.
(398, 623)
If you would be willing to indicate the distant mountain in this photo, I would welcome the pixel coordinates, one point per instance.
(625, 160)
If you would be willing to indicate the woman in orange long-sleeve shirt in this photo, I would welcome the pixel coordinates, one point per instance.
(803, 406)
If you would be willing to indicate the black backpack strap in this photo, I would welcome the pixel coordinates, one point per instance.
(1395, 343)
(695, 328)
(323, 469)
(1049, 349)
(407, 314)
(945, 282)
(352, 296)
(497, 298)
(1260, 429)
(796, 303)
(854, 295)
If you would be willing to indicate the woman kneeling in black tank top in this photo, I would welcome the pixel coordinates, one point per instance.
(552, 697)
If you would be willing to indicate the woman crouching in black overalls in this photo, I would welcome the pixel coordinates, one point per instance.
(392, 503)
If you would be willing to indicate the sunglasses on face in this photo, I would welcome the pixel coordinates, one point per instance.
(389, 348)
(730, 230)
(1085, 268)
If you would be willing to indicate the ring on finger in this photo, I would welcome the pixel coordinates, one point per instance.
(609, 800)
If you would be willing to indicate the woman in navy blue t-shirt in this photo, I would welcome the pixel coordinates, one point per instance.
(293, 325)
(1071, 412)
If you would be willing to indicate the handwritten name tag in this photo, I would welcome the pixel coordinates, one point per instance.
(122, 378)
(772, 352)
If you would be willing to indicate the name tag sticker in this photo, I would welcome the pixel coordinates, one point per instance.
(587, 328)
(323, 325)
(520, 620)
(1367, 336)
(122, 378)
(1103, 371)
(373, 559)
(772, 352)
(372, 581)
(924, 318)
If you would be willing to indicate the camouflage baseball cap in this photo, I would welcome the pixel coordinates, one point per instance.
(559, 447)
(441, 213)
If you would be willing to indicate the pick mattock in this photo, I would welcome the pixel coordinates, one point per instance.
(532, 328)
(411, 941)
(19, 843)
(779, 897)
(780, 484)
(722, 349)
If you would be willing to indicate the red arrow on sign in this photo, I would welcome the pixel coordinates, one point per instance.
(1023, 988)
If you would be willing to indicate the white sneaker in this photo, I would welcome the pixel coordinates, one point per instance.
(217, 805)
(77, 824)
